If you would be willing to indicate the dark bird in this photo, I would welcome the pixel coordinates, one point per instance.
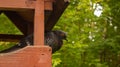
(54, 39)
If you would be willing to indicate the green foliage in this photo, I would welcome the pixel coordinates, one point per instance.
(7, 27)
(93, 41)
(6, 45)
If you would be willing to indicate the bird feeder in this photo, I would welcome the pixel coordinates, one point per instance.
(30, 16)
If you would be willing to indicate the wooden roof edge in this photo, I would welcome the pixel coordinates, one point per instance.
(18, 5)
(59, 7)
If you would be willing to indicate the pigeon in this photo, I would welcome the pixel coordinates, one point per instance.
(54, 39)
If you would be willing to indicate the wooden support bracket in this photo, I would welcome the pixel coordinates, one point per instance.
(18, 21)
(58, 8)
(11, 37)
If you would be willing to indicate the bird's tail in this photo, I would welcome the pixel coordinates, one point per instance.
(13, 48)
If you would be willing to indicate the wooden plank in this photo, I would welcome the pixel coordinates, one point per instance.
(10, 37)
(18, 21)
(29, 56)
(58, 8)
(39, 23)
(22, 4)
(17, 4)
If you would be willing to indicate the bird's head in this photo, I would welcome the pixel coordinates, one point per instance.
(61, 34)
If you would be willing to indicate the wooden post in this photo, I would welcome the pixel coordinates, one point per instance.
(45, 58)
(39, 23)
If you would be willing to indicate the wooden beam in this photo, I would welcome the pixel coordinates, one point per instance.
(58, 8)
(18, 21)
(22, 4)
(10, 37)
(39, 23)
(29, 56)
(19, 4)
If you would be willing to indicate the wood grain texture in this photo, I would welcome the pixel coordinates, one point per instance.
(22, 4)
(27, 57)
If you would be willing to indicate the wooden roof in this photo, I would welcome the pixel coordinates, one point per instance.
(21, 13)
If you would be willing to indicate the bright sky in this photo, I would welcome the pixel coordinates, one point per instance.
(98, 10)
